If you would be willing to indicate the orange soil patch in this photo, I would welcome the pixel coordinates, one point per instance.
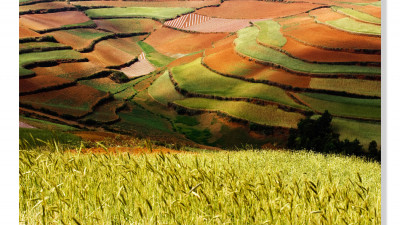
(328, 37)
(99, 136)
(174, 3)
(115, 52)
(314, 54)
(130, 150)
(128, 25)
(369, 9)
(184, 60)
(45, 5)
(25, 32)
(75, 101)
(39, 82)
(169, 41)
(69, 70)
(77, 38)
(226, 61)
(53, 20)
(255, 10)
(326, 14)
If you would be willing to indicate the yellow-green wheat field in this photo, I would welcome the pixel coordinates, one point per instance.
(240, 187)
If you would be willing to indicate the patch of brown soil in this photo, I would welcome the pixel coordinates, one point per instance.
(25, 32)
(40, 82)
(77, 38)
(172, 3)
(45, 5)
(326, 14)
(69, 70)
(255, 9)
(169, 41)
(53, 20)
(369, 9)
(184, 60)
(128, 25)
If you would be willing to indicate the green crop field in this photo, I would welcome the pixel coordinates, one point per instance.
(33, 138)
(266, 115)
(270, 33)
(148, 12)
(246, 44)
(351, 25)
(275, 187)
(28, 58)
(129, 25)
(358, 15)
(88, 23)
(363, 131)
(196, 78)
(343, 106)
(39, 45)
(46, 125)
(163, 90)
(87, 33)
(356, 86)
(154, 57)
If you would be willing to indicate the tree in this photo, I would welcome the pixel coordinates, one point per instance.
(373, 151)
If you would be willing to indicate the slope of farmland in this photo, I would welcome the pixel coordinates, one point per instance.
(45, 6)
(78, 38)
(174, 3)
(71, 71)
(139, 68)
(128, 25)
(163, 90)
(138, 12)
(37, 83)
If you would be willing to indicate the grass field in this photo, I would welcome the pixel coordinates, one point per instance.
(351, 25)
(270, 33)
(343, 106)
(246, 44)
(358, 15)
(266, 115)
(39, 45)
(148, 12)
(275, 187)
(154, 57)
(163, 90)
(46, 125)
(32, 138)
(28, 58)
(356, 86)
(105, 112)
(194, 77)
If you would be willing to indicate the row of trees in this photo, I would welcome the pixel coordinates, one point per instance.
(318, 135)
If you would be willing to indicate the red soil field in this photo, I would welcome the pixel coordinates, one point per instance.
(76, 101)
(225, 60)
(255, 10)
(326, 14)
(76, 38)
(142, 67)
(128, 25)
(173, 3)
(52, 20)
(71, 71)
(39, 82)
(220, 25)
(115, 52)
(314, 54)
(25, 32)
(45, 5)
(169, 41)
(369, 9)
(184, 60)
(328, 37)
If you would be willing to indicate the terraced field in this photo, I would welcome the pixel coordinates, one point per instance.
(203, 72)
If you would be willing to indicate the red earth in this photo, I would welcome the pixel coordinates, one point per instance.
(39, 82)
(52, 20)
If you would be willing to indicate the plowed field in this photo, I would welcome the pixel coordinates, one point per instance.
(128, 25)
(53, 20)
(40, 82)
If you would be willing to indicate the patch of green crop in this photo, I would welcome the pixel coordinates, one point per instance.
(28, 58)
(154, 57)
(196, 135)
(358, 15)
(87, 33)
(343, 106)
(31, 138)
(163, 90)
(25, 72)
(187, 120)
(351, 25)
(46, 125)
(270, 33)
(246, 44)
(148, 12)
(239, 187)
(196, 78)
(31, 45)
(266, 115)
(85, 24)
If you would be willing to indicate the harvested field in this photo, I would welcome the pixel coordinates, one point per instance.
(247, 45)
(128, 25)
(255, 10)
(314, 54)
(44, 6)
(226, 61)
(163, 90)
(265, 115)
(70, 71)
(170, 42)
(78, 38)
(73, 101)
(174, 3)
(187, 21)
(195, 78)
(105, 113)
(327, 37)
(356, 86)
(139, 68)
(343, 106)
(38, 83)
(52, 20)
(161, 13)
(114, 52)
